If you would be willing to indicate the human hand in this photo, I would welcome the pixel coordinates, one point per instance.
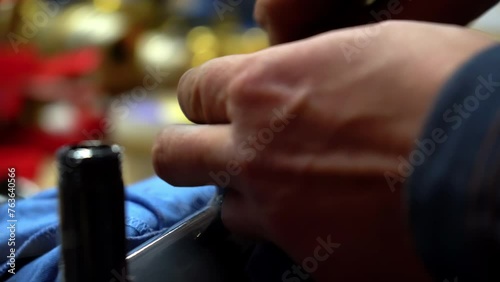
(301, 138)
(289, 20)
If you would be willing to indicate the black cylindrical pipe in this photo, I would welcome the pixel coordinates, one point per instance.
(91, 206)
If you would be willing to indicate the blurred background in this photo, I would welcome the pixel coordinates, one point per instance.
(108, 69)
(104, 69)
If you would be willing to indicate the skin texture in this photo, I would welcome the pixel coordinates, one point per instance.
(342, 124)
(289, 20)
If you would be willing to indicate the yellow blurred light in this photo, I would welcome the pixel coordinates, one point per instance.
(107, 6)
(202, 57)
(201, 39)
(158, 48)
(84, 25)
(28, 8)
(172, 112)
(197, 31)
(254, 39)
(232, 44)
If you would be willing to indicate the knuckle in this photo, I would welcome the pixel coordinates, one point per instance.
(207, 89)
(207, 74)
(243, 87)
(194, 104)
(189, 103)
(157, 152)
(195, 100)
(160, 153)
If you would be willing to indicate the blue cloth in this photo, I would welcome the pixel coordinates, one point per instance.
(454, 195)
(152, 206)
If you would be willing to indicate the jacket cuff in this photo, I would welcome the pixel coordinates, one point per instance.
(454, 194)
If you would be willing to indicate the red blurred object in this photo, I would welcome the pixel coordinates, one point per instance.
(25, 159)
(15, 71)
(22, 69)
(25, 75)
(72, 64)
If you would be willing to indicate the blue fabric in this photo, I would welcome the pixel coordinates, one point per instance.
(454, 195)
(151, 207)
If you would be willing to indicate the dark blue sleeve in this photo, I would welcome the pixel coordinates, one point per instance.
(454, 195)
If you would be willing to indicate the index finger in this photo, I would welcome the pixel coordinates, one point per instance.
(202, 91)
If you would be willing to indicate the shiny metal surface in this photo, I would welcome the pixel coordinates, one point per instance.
(196, 250)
